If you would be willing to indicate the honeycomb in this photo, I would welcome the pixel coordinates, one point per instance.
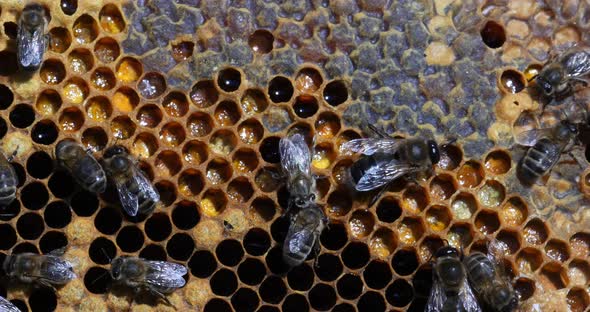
(201, 93)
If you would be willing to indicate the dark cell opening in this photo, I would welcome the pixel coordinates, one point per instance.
(269, 150)
(335, 93)
(69, 7)
(322, 297)
(167, 192)
(300, 277)
(267, 308)
(102, 251)
(202, 264)
(180, 246)
(399, 293)
(273, 289)
(39, 165)
(280, 89)
(224, 282)
(34, 195)
(3, 127)
(513, 81)
(422, 281)
(344, 307)
(61, 184)
(305, 106)
(418, 305)
(97, 280)
(108, 221)
(217, 305)
(11, 211)
(21, 174)
(493, 35)
(334, 237)
(329, 267)
(6, 97)
(25, 247)
(8, 63)
(8, 235)
(43, 299)
(355, 255)
(377, 274)
(295, 303)
(44, 132)
(229, 252)
(57, 214)
(153, 252)
(21, 305)
(279, 229)
(245, 299)
(84, 203)
(30, 226)
(11, 29)
(256, 242)
(261, 41)
(388, 210)
(229, 79)
(51, 241)
(349, 286)
(274, 261)
(158, 227)
(22, 116)
(371, 302)
(130, 239)
(405, 262)
(251, 271)
(283, 198)
(186, 215)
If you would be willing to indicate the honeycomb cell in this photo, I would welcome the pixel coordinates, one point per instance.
(535, 232)
(202, 264)
(84, 203)
(107, 50)
(69, 7)
(438, 217)
(528, 260)
(524, 288)
(94, 139)
(168, 163)
(229, 79)
(557, 250)
(48, 102)
(9, 236)
(334, 237)
(442, 187)
(153, 252)
(295, 302)
(204, 94)
(75, 90)
(355, 255)
(414, 199)
(308, 80)
(158, 227)
(60, 39)
(190, 182)
(98, 108)
(339, 203)
(349, 286)
(399, 293)
(149, 116)
(450, 157)
(251, 271)
(180, 246)
(167, 192)
(85, 29)
(280, 89)
(218, 171)
(175, 104)
(199, 124)
(322, 297)
(323, 156)
(182, 51)
(493, 34)
(410, 230)
(227, 113)
(97, 280)
(145, 145)
(253, 102)
(229, 252)
(464, 206)
(487, 222)
(8, 63)
(223, 142)
(377, 274)
(264, 208)
(361, 223)
(52, 71)
(213, 202)
(30, 226)
(327, 125)
(103, 79)
(261, 41)
(579, 272)
(240, 190)
(273, 289)
(335, 93)
(491, 194)
(111, 19)
(3, 128)
(577, 299)
(470, 175)
(57, 214)
(61, 184)
(580, 244)
(510, 241)
(301, 277)
(172, 134)
(11, 30)
(245, 299)
(102, 250)
(460, 234)
(553, 276)
(152, 85)
(305, 106)
(388, 210)
(512, 81)
(514, 212)
(44, 132)
(217, 304)
(108, 220)
(71, 119)
(43, 299)
(80, 61)
(22, 116)
(371, 301)
(130, 239)
(128, 70)
(195, 152)
(405, 261)
(244, 161)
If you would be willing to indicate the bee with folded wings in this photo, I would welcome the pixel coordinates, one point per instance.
(31, 37)
(156, 277)
(557, 78)
(7, 306)
(308, 221)
(81, 165)
(8, 181)
(47, 270)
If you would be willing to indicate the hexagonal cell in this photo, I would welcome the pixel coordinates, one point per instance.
(261, 41)
(166, 189)
(103, 79)
(182, 51)
(580, 244)
(405, 261)
(229, 79)
(80, 61)
(327, 125)
(149, 115)
(218, 171)
(107, 50)
(264, 208)
(250, 131)
(535, 232)
(85, 29)
(335, 92)
(280, 89)
(438, 217)
(361, 223)
(175, 104)
(339, 203)
(199, 124)
(172, 134)
(410, 230)
(578, 300)
(98, 108)
(223, 142)
(152, 85)
(111, 19)
(44, 132)
(168, 163)
(253, 102)
(429, 246)
(470, 174)
(450, 157)
(305, 106)
(557, 250)
(52, 71)
(414, 199)
(195, 152)
(498, 162)
(60, 39)
(487, 222)
(240, 190)
(491, 194)
(190, 182)
(94, 139)
(511, 240)
(460, 235)
(529, 260)
(553, 276)
(204, 94)
(388, 210)
(71, 119)
(323, 156)
(245, 161)
(308, 80)
(128, 69)
(512, 81)
(145, 145)
(464, 206)
(48, 102)
(514, 212)
(75, 90)
(125, 99)
(442, 187)
(383, 242)
(579, 272)
(267, 179)
(493, 34)
(524, 288)
(227, 113)
(213, 202)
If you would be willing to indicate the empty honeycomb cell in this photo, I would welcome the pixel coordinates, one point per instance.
(229, 79)
(512, 81)
(410, 230)
(399, 293)
(3, 128)
(460, 234)
(204, 94)
(224, 282)
(71, 119)
(60, 39)
(8, 63)
(153, 252)
(39, 165)
(175, 104)
(295, 302)
(328, 267)
(61, 184)
(218, 171)
(217, 304)
(57, 214)
(388, 209)
(167, 192)
(172, 134)
(11, 29)
(158, 227)
(579, 272)
(182, 50)
(361, 223)
(48, 102)
(80, 61)
(195, 152)
(24, 248)
(580, 244)
(335, 92)
(371, 301)
(442, 187)
(349, 286)
(97, 280)
(43, 299)
(487, 222)
(261, 41)
(493, 34)
(438, 217)
(69, 7)
(152, 85)
(75, 90)
(128, 70)
(471, 174)
(102, 251)
(84, 203)
(253, 102)
(305, 106)
(355, 255)
(524, 288)
(94, 139)
(280, 89)
(256, 242)
(422, 281)
(111, 19)
(535, 232)
(514, 212)
(264, 208)
(103, 79)
(377, 274)
(223, 142)
(511, 240)
(130, 239)
(528, 260)
(498, 162)
(8, 236)
(213, 202)
(245, 299)
(322, 297)
(98, 108)
(52, 71)
(34, 195)
(308, 80)
(180, 246)
(251, 271)
(269, 150)
(327, 125)
(339, 202)
(577, 299)
(557, 250)
(267, 179)
(553, 277)
(240, 190)
(491, 194)
(202, 264)
(85, 29)
(107, 50)
(405, 261)
(414, 199)
(168, 163)
(190, 182)
(227, 113)
(30, 226)
(464, 206)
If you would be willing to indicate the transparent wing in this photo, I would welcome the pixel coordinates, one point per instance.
(299, 239)
(30, 47)
(437, 297)
(295, 155)
(7, 306)
(530, 137)
(497, 250)
(577, 62)
(370, 146)
(145, 186)
(468, 298)
(57, 270)
(383, 173)
(165, 274)
(128, 198)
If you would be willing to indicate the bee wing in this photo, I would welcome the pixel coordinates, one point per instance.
(382, 174)
(577, 63)
(145, 186)
(129, 200)
(369, 146)
(437, 296)
(165, 274)
(295, 155)
(468, 298)
(30, 46)
(57, 270)
(7, 306)
(496, 252)
(530, 137)
(298, 239)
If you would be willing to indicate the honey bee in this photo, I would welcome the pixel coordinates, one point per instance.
(296, 163)
(81, 165)
(32, 41)
(450, 289)
(155, 277)
(484, 275)
(46, 270)
(303, 235)
(8, 181)
(7, 306)
(136, 193)
(557, 77)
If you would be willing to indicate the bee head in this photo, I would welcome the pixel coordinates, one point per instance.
(548, 79)
(65, 149)
(33, 15)
(302, 200)
(447, 251)
(115, 150)
(433, 151)
(505, 298)
(116, 267)
(119, 163)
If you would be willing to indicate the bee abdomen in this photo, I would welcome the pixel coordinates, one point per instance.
(294, 259)
(538, 160)
(8, 184)
(360, 167)
(90, 175)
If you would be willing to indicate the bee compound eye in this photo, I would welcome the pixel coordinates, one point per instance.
(119, 163)
(433, 151)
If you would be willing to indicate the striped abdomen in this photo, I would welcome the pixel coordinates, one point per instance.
(8, 183)
(538, 160)
(89, 174)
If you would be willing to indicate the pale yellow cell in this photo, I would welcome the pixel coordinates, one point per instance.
(93, 303)
(438, 53)
(72, 293)
(566, 36)
(81, 232)
(16, 141)
(237, 219)
(208, 233)
(511, 105)
(522, 9)
(122, 102)
(518, 29)
(197, 292)
(500, 131)
(74, 93)
(512, 53)
(118, 303)
(79, 259)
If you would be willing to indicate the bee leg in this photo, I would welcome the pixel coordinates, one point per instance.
(11, 158)
(379, 194)
(45, 283)
(161, 296)
(316, 252)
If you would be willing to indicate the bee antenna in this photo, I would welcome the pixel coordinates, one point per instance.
(450, 141)
(99, 277)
